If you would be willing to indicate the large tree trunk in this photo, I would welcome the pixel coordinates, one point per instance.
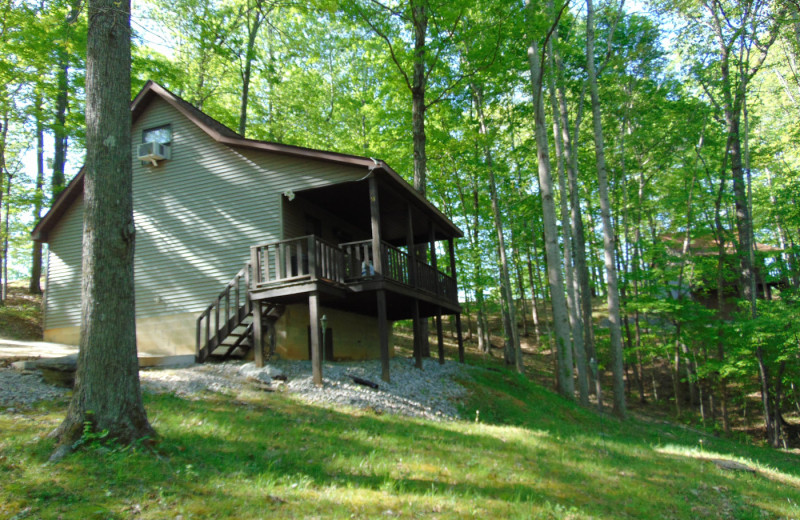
(566, 382)
(107, 394)
(612, 292)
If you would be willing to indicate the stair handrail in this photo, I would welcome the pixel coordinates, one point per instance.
(242, 308)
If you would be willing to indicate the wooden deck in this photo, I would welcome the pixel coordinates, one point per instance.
(288, 269)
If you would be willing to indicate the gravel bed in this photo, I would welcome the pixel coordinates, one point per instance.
(22, 389)
(430, 393)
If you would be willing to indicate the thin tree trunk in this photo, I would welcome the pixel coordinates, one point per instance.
(512, 335)
(252, 34)
(612, 292)
(559, 305)
(34, 285)
(534, 303)
(5, 180)
(581, 271)
(575, 317)
(4, 289)
(58, 180)
(107, 395)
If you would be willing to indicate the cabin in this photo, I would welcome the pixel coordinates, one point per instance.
(259, 248)
(701, 270)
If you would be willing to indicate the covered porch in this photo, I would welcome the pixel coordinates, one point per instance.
(376, 254)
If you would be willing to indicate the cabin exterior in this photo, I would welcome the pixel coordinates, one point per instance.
(241, 245)
(700, 280)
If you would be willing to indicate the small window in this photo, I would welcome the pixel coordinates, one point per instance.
(161, 135)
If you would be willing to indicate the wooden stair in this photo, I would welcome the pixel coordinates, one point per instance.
(226, 325)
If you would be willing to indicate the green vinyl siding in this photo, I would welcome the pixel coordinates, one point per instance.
(63, 289)
(197, 215)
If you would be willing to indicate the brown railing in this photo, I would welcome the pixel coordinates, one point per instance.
(359, 262)
(359, 265)
(289, 261)
(225, 313)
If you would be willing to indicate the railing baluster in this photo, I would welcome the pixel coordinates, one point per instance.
(227, 306)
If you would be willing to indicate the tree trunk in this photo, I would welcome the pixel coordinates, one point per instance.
(581, 271)
(575, 317)
(566, 382)
(252, 34)
(4, 180)
(612, 292)
(534, 303)
(34, 285)
(4, 275)
(107, 394)
(512, 334)
(58, 180)
(419, 15)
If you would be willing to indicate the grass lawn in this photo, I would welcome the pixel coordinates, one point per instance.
(531, 455)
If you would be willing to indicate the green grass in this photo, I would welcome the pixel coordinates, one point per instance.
(532, 455)
(21, 316)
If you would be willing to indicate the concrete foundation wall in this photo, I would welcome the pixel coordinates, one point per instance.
(355, 336)
(172, 335)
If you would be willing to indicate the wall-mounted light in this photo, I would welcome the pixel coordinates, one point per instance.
(289, 194)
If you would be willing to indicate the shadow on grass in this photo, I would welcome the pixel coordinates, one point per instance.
(534, 454)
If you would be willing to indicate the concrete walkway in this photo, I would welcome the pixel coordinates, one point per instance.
(10, 348)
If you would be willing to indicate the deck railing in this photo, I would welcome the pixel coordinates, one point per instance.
(360, 262)
(296, 259)
(289, 261)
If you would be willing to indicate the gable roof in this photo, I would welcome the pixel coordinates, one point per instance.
(224, 135)
(707, 245)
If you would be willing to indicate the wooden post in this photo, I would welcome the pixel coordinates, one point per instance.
(316, 353)
(412, 252)
(417, 336)
(255, 265)
(375, 218)
(460, 339)
(439, 336)
(432, 240)
(258, 334)
(383, 333)
(451, 250)
(412, 275)
(312, 258)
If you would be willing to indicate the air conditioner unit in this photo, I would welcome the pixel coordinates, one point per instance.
(153, 152)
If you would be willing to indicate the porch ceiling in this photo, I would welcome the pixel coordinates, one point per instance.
(350, 201)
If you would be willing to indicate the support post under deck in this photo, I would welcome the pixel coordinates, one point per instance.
(383, 332)
(316, 354)
(439, 335)
(258, 333)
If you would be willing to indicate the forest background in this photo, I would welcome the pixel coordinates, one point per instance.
(626, 176)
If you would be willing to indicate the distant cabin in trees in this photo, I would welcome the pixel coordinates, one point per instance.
(700, 278)
(228, 228)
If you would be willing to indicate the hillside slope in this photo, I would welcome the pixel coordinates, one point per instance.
(530, 454)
